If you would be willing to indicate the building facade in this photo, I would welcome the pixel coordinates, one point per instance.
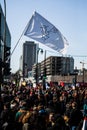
(4, 26)
(54, 65)
(5, 44)
(29, 56)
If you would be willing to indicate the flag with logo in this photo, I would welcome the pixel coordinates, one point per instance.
(43, 31)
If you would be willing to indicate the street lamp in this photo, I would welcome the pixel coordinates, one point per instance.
(83, 71)
(44, 73)
(37, 74)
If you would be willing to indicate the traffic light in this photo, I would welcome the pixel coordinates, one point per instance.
(6, 53)
(1, 65)
(44, 74)
(36, 75)
(7, 69)
(36, 78)
(7, 61)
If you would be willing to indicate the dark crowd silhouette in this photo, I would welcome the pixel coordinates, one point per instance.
(35, 108)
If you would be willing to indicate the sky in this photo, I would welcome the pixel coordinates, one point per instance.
(69, 16)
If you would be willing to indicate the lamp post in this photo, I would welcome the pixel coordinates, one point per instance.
(44, 73)
(37, 74)
(83, 71)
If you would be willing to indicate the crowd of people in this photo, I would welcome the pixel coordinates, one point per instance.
(36, 108)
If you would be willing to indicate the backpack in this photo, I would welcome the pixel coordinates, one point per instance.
(85, 110)
(22, 116)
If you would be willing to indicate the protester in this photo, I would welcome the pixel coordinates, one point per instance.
(28, 108)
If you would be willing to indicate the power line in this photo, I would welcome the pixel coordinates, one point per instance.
(68, 54)
(79, 55)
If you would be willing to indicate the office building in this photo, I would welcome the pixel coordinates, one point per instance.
(3, 28)
(29, 56)
(5, 44)
(54, 65)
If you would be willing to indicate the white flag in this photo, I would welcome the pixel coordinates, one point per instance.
(43, 31)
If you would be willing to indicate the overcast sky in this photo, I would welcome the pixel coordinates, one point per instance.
(69, 16)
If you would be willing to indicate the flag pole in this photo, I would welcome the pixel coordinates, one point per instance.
(19, 39)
